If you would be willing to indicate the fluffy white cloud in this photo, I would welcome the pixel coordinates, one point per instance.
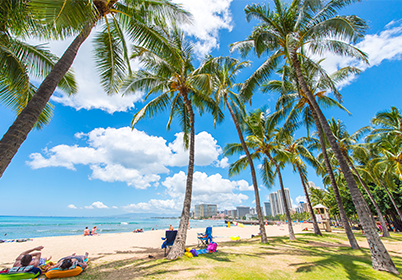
(206, 189)
(223, 163)
(209, 16)
(72, 206)
(125, 155)
(387, 45)
(154, 205)
(300, 198)
(98, 205)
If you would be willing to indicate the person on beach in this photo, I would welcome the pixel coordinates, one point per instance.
(34, 259)
(171, 227)
(93, 232)
(67, 262)
(86, 231)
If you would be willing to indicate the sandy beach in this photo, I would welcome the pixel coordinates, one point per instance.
(118, 246)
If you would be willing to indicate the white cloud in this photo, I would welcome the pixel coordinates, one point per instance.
(206, 189)
(153, 206)
(97, 204)
(209, 16)
(387, 45)
(223, 163)
(300, 198)
(115, 207)
(71, 206)
(126, 155)
(244, 186)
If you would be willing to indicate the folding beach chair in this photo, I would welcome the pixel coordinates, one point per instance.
(205, 238)
(169, 240)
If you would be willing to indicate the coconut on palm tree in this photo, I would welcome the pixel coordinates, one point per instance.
(300, 29)
(170, 74)
(135, 19)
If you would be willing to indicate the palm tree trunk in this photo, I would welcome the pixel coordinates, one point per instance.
(385, 232)
(380, 257)
(310, 208)
(392, 199)
(344, 219)
(180, 241)
(25, 121)
(291, 232)
(253, 175)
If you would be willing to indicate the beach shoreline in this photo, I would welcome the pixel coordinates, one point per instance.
(119, 246)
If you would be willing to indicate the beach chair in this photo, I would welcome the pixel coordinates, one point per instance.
(205, 238)
(169, 240)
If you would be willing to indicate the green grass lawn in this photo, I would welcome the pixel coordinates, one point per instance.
(310, 257)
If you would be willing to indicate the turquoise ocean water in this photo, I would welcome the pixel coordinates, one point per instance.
(16, 227)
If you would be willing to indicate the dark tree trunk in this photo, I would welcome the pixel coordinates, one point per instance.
(392, 199)
(253, 175)
(25, 121)
(344, 219)
(180, 241)
(397, 224)
(381, 260)
(385, 232)
(310, 208)
(291, 232)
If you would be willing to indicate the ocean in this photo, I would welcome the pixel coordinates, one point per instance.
(17, 227)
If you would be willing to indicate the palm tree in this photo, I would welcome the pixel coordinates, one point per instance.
(294, 104)
(388, 122)
(169, 73)
(135, 18)
(22, 60)
(287, 31)
(262, 138)
(348, 143)
(224, 71)
(297, 151)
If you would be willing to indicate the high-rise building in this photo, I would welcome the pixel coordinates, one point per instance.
(277, 204)
(205, 210)
(268, 211)
(312, 185)
(242, 211)
(232, 213)
(300, 207)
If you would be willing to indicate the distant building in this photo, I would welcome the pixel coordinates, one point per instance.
(205, 210)
(312, 185)
(300, 207)
(253, 211)
(242, 211)
(277, 204)
(232, 213)
(267, 206)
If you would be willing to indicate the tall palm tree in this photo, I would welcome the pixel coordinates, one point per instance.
(388, 122)
(294, 104)
(134, 18)
(224, 71)
(262, 139)
(348, 143)
(288, 31)
(297, 152)
(170, 74)
(22, 60)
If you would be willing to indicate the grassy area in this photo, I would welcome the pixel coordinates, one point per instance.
(310, 257)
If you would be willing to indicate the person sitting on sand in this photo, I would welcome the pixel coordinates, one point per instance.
(93, 232)
(86, 231)
(67, 262)
(171, 227)
(34, 259)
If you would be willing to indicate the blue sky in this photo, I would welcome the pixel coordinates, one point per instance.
(88, 161)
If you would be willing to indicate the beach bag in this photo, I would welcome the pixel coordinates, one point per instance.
(212, 247)
(188, 254)
(194, 252)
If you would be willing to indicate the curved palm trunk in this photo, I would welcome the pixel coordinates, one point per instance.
(291, 232)
(344, 219)
(25, 121)
(381, 259)
(180, 241)
(310, 208)
(385, 232)
(253, 175)
(392, 199)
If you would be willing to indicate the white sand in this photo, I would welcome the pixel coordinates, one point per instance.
(117, 246)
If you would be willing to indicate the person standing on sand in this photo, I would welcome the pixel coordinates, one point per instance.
(34, 259)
